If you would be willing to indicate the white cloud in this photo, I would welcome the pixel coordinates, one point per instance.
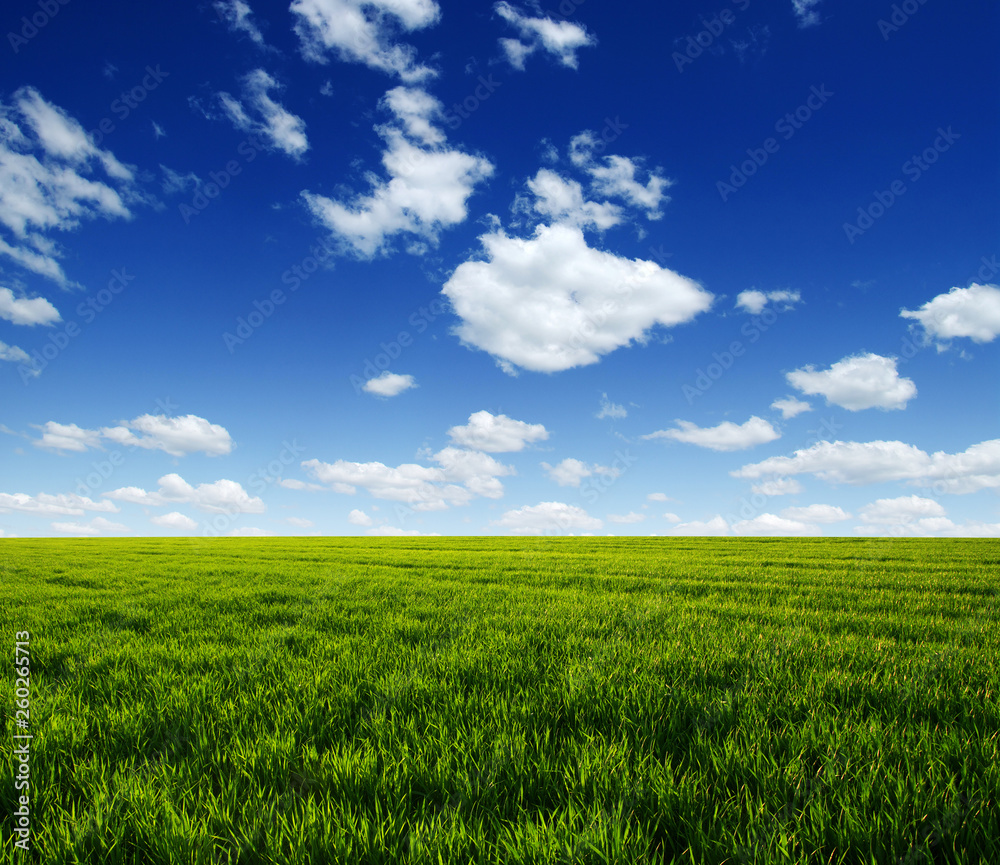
(611, 409)
(221, 497)
(716, 526)
(857, 382)
(67, 437)
(460, 477)
(29, 311)
(779, 487)
(806, 12)
(174, 182)
(817, 514)
(562, 39)
(237, 16)
(671, 518)
(359, 518)
(475, 470)
(361, 31)
(630, 517)
(616, 179)
(547, 517)
(552, 302)
(900, 510)
(300, 522)
(754, 301)
(497, 433)
(570, 472)
(284, 130)
(972, 312)
(389, 384)
(393, 532)
(45, 505)
(791, 407)
(293, 484)
(14, 354)
(94, 527)
(561, 200)
(856, 463)
(250, 532)
(427, 190)
(47, 163)
(772, 525)
(659, 497)
(415, 109)
(727, 436)
(175, 520)
(176, 436)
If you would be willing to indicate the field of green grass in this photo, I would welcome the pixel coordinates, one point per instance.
(505, 700)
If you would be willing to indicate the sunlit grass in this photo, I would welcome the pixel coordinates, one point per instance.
(507, 700)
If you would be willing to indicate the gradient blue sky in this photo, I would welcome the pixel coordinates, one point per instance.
(407, 266)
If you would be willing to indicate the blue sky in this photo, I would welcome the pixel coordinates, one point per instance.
(414, 267)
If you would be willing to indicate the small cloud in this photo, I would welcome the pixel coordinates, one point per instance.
(778, 487)
(716, 526)
(175, 520)
(285, 131)
(158, 132)
(300, 522)
(389, 384)
(561, 39)
(174, 181)
(806, 12)
(631, 517)
(547, 517)
(611, 409)
(359, 518)
(496, 433)
(791, 407)
(95, 527)
(856, 383)
(817, 514)
(754, 301)
(727, 436)
(772, 525)
(238, 16)
(972, 312)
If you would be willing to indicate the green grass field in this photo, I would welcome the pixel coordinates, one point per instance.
(466, 700)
